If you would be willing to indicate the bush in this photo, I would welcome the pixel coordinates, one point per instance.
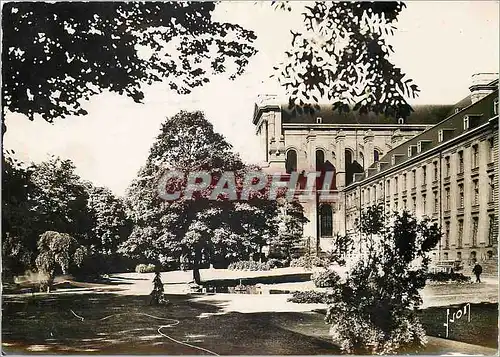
(143, 268)
(277, 263)
(325, 278)
(308, 297)
(308, 261)
(448, 277)
(249, 265)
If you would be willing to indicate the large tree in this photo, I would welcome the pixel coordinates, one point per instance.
(56, 54)
(60, 199)
(343, 56)
(201, 228)
(19, 234)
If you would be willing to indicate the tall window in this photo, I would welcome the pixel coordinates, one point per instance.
(447, 235)
(476, 191)
(396, 206)
(376, 155)
(461, 196)
(436, 202)
(447, 166)
(491, 188)
(404, 204)
(326, 221)
(460, 233)
(404, 182)
(291, 161)
(424, 175)
(460, 162)
(414, 204)
(475, 156)
(475, 221)
(447, 199)
(414, 178)
(491, 229)
(320, 160)
(424, 202)
(491, 150)
(435, 171)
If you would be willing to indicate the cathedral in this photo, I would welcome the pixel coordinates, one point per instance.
(370, 155)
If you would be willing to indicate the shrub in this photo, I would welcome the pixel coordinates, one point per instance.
(277, 263)
(325, 278)
(249, 265)
(308, 297)
(143, 268)
(308, 261)
(374, 310)
(448, 277)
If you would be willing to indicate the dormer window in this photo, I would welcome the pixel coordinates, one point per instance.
(401, 121)
(393, 160)
(466, 122)
(495, 106)
(419, 147)
(409, 151)
(457, 110)
(319, 120)
(440, 136)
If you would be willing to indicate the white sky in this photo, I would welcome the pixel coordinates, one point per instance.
(438, 44)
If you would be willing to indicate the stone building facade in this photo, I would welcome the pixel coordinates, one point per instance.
(448, 173)
(357, 148)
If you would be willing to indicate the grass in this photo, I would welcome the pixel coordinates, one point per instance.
(45, 324)
(481, 330)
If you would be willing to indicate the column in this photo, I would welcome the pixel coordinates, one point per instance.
(340, 154)
(368, 140)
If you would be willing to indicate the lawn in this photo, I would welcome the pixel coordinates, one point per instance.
(46, 324)
(481, 330)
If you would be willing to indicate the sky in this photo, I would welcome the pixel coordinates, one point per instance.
(440, 45)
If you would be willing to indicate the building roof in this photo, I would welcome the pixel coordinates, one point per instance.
(479, 113)
(422, 114)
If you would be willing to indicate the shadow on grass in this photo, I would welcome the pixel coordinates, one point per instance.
(46, 324)
(481, 330)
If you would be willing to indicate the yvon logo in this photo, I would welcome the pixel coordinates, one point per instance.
(454, 316)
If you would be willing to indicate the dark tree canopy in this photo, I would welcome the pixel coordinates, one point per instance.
(343, 56)
(56, 54)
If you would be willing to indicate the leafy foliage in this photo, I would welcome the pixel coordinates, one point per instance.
(373, 311)
(57, 54)
(308, 261)
(290, 221)
(308, 297)
(325, 278)
(110, 225)
(344, 56)
(58, 250)
(18, 232)
(145, 268)
(199, 229)
(249, 265)
(442, 277)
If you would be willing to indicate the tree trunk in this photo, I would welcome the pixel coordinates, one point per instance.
(196, 266)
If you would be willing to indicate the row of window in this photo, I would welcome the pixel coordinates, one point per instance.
(491, 236)
(370, 193)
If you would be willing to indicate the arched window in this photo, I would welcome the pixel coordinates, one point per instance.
(361, 159)
(348, 157)
(320, 160)
(326, 220)
(376, 155)
(291, 161)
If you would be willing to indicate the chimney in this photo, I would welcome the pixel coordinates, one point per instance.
(482, 85)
